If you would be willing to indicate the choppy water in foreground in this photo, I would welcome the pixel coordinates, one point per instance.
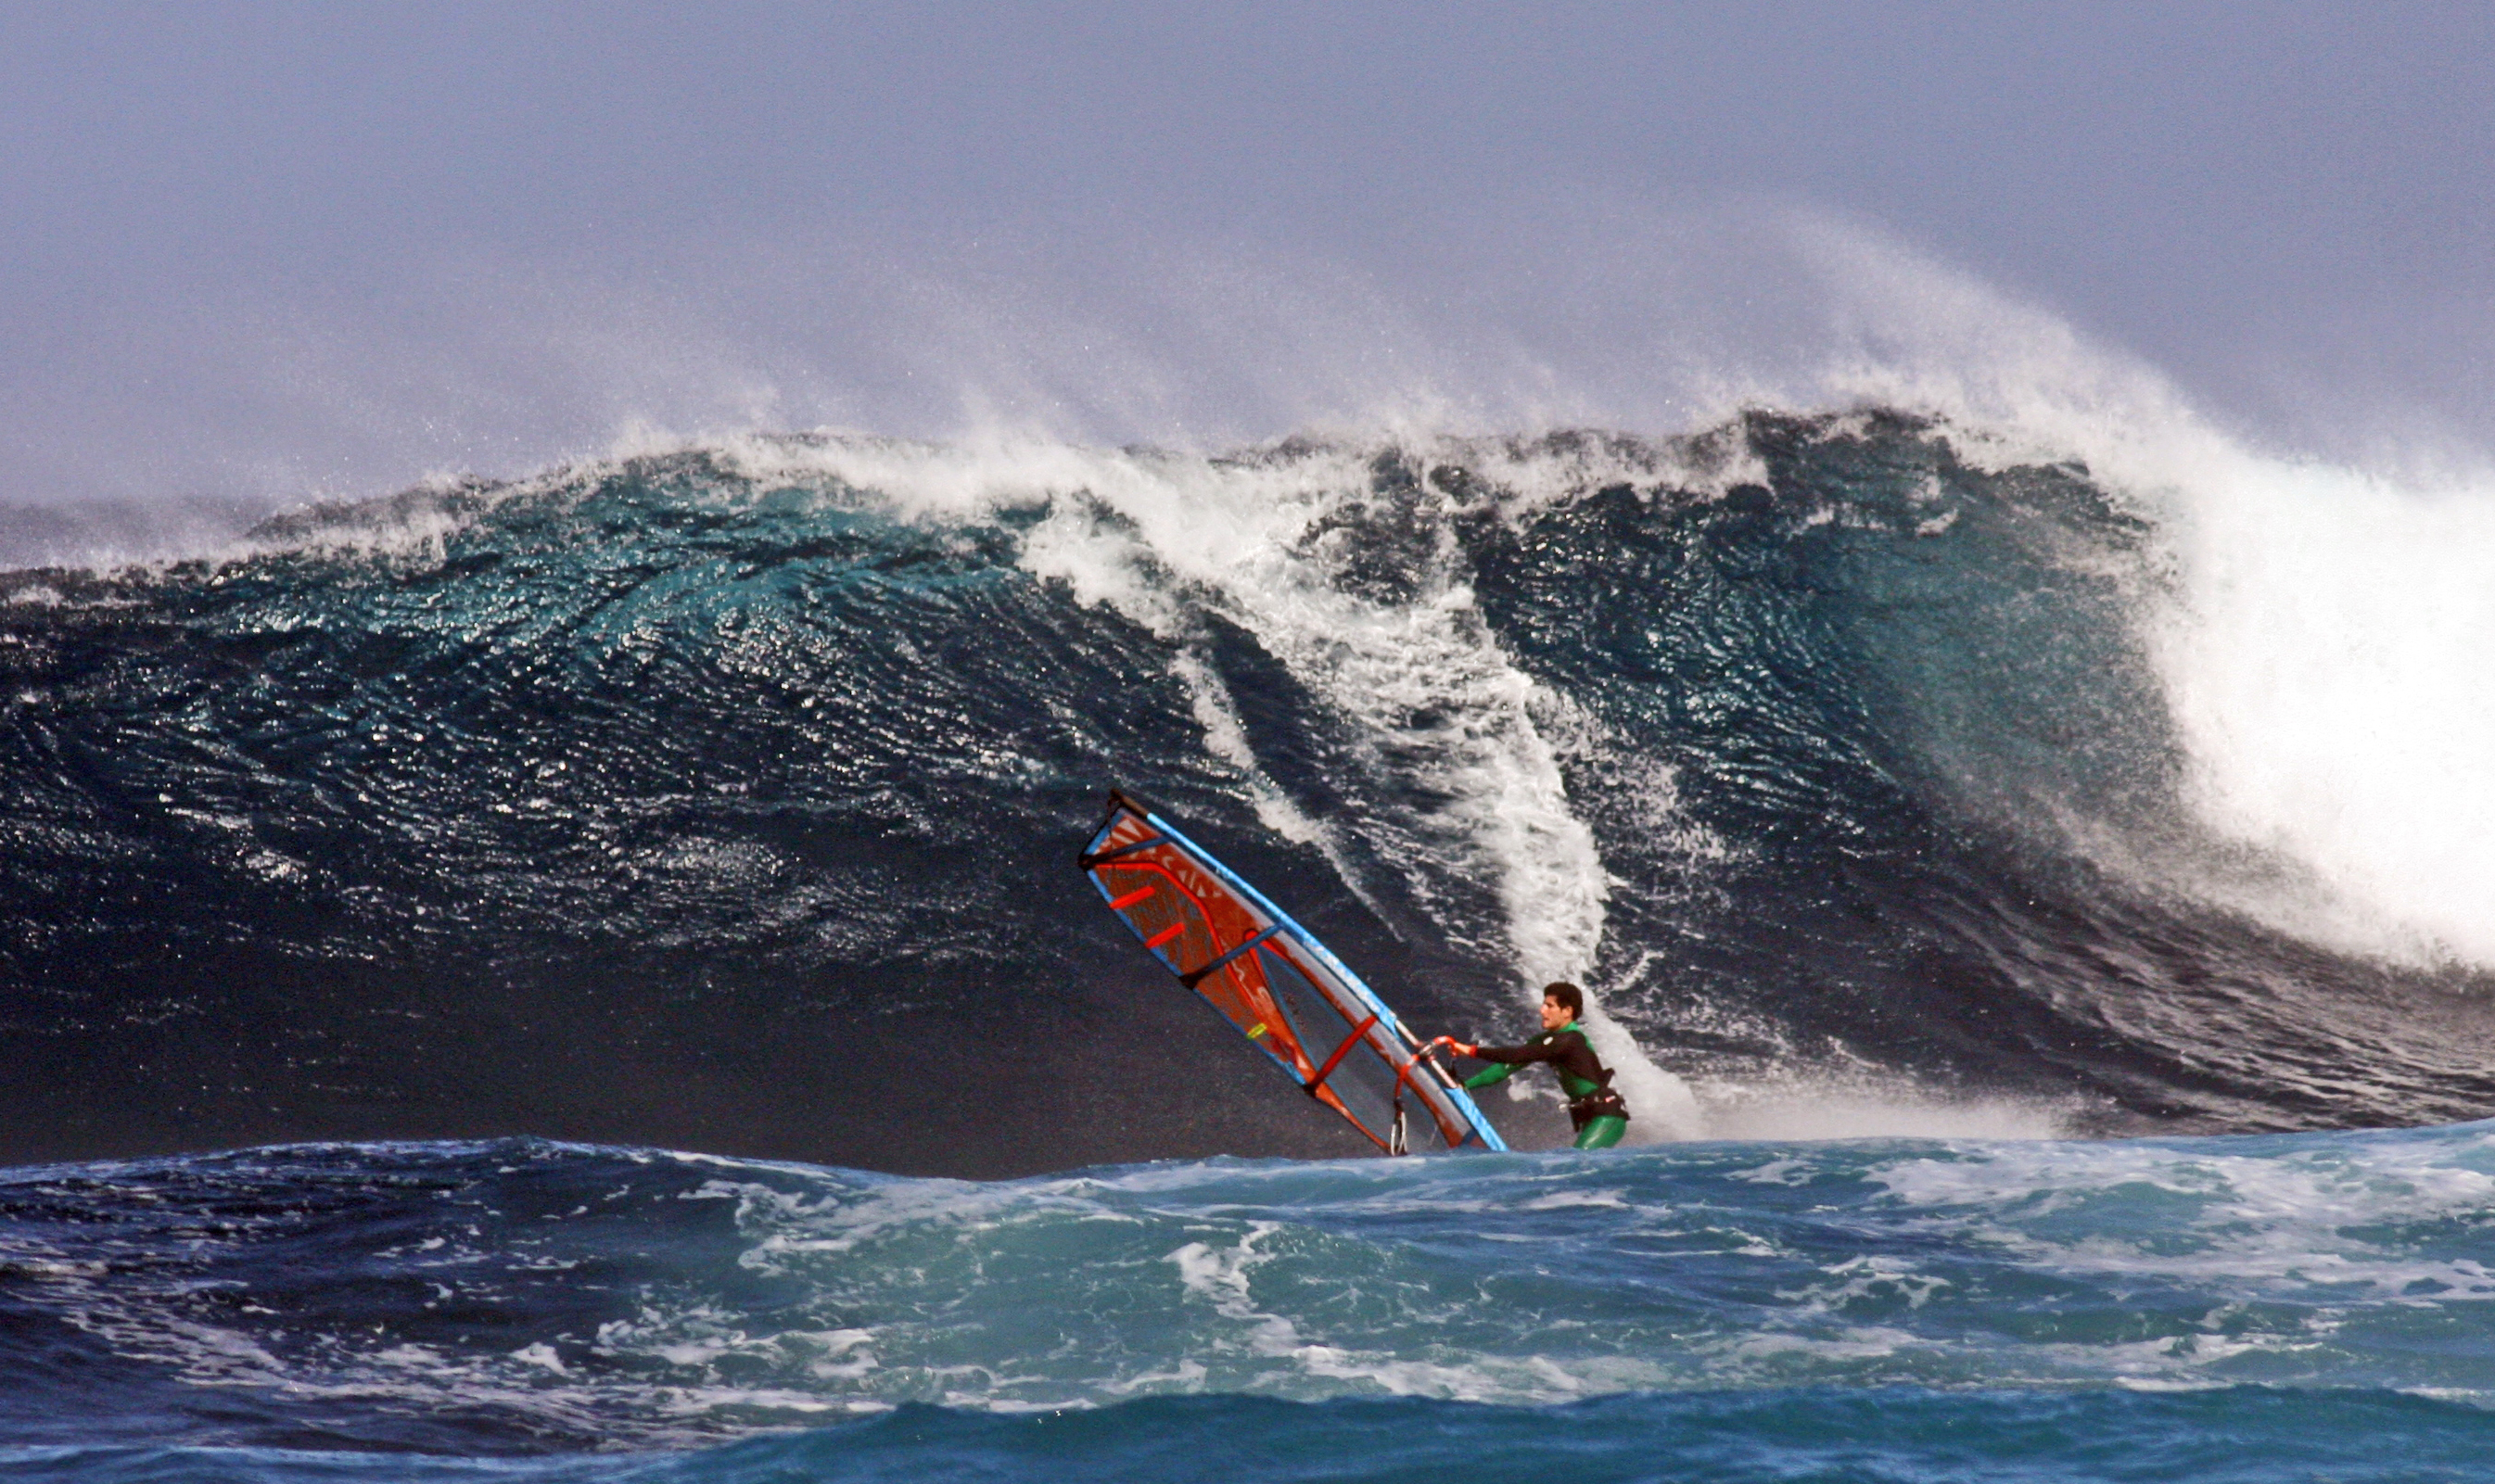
(2248, 1307)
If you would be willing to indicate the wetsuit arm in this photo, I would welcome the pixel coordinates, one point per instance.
(1567, 1052)
(1537, 1049)
(1504, 1060)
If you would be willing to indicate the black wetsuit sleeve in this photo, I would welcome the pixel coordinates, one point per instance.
(1566, 1049)
(1538, 1049)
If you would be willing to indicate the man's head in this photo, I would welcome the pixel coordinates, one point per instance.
(1561, 1003)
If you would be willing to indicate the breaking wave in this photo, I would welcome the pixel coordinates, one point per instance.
(1873, 777)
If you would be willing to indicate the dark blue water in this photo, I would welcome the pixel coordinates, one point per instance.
(727, 800)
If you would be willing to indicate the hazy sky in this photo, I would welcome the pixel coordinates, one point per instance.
(273, 249)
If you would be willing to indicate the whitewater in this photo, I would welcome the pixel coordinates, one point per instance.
(2031, 872)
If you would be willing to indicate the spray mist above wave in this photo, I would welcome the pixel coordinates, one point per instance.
(2322, 645)
(1560, 307)
(2324, 648)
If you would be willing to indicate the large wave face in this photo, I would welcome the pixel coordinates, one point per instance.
(726, 796)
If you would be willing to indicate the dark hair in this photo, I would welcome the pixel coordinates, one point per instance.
(1567, 994)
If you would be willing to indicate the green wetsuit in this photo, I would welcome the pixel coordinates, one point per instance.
(1599, 1114)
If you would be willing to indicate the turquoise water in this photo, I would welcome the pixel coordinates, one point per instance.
(2259, 1307)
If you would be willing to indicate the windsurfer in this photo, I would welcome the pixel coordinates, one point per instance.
(1597, 1111)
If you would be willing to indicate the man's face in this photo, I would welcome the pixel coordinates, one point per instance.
(1554, 1014)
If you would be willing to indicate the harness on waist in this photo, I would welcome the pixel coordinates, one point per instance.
(1601, 1102)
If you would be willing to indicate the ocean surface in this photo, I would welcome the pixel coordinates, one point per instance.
(2247, 1307)
(585, 977)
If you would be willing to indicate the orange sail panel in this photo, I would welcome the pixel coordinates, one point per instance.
(1280, 988)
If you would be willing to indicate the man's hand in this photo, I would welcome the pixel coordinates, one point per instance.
(1464, 1048)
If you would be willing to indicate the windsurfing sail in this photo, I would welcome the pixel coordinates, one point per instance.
(1283, 990)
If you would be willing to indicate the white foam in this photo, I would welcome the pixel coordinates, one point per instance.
(2325, 634)
(1434, 705)
(1222, 1277)
(2332, 665)
(1841, 1107)
(2249, 1225)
